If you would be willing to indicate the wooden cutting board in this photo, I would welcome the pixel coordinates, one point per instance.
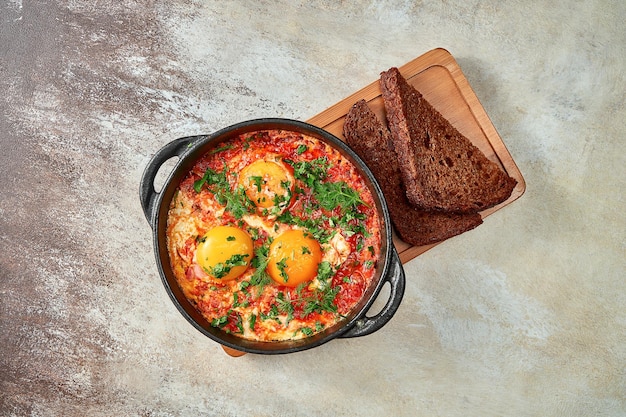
(438, 77)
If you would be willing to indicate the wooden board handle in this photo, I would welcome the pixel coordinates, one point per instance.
(232, 352)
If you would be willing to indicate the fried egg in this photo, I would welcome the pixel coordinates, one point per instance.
(268, 183)
(224, 252)
(294, 257)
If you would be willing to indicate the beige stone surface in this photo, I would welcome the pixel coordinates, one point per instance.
(523, 316)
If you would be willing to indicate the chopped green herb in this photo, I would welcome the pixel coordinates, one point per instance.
(257, 180)
(311, 172)
(271, 315)
(324, 271)
(221, 148)
(307, 331)
(335, 197)
(337, 194)
(210, 177)
(254, 233)
(260, 278)
(237, 303)
(322, 301)
(282, 267)
(285, 306)
(237, 202)
(314, 226)
(220, 321)
(239, 323)
(221, 269)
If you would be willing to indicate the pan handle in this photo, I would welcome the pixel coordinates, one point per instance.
(396, 279)
(147, 193)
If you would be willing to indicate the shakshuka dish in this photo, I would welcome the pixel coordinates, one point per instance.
(273, 236)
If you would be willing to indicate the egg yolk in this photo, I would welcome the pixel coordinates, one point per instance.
(267, 183)
(294, 257)
(224, 252)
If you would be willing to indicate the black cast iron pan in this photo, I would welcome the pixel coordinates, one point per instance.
(156, 203)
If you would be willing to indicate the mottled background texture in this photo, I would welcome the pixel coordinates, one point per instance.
(523, 316)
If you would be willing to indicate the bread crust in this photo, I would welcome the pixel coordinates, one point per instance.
(370, 139)
(441, 169)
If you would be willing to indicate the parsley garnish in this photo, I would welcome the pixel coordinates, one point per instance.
(271, 315)
(311, 172)
(220, 321)
(236, 299)
(239, 323)
(210, 177)
(336, 194)
(222, 148)
(337, 198)
(317, 301)
(260, 278)
(237, 303)
(282, 267)
(230, 316)
(254, 233)
(256, 180)
(321, 301)
(324, 272)
(314, 226)
(307, 331)
(237, 202)
(285, 306)
(221, 269)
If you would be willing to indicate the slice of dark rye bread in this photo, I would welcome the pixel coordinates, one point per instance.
(370, 139)
(441, 168)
